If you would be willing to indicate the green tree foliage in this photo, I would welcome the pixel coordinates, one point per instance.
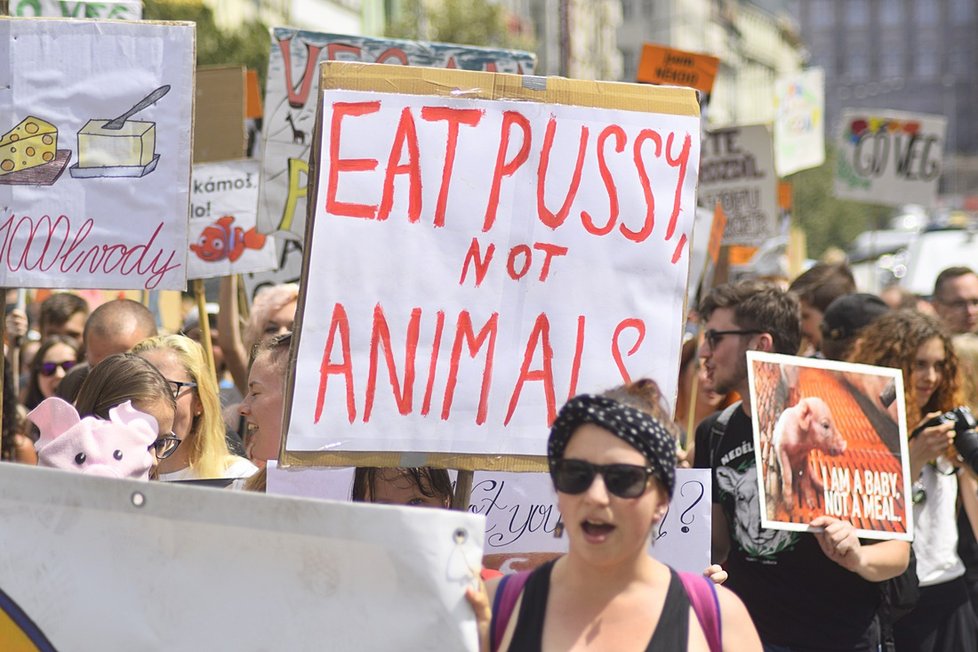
(827, 221)
(467, 22)
(248, 46)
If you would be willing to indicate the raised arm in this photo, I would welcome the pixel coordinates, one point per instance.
(229, 333)
(874, 563)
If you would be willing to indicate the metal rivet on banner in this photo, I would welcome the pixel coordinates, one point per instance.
(461, 535)
(138, 499)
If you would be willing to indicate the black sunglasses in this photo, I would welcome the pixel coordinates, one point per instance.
(713, 336)
(165, 446)
(622, 480)
(178, 385)
(51, 368)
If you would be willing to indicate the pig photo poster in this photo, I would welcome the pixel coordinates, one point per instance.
(830, 438)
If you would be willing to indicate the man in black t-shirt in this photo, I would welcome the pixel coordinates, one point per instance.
(805, 592)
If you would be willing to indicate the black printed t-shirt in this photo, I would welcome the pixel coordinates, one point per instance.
(796, 595)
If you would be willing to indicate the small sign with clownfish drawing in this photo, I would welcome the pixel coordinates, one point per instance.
(223, 213)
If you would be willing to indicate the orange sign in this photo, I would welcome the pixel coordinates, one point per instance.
(662, 65)
(252, 95)
(785, 195)
(716, 232)
(740, 254)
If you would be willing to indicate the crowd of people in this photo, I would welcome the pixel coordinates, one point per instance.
(612, 460)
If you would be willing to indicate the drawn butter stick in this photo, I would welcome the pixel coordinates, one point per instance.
(134, 144)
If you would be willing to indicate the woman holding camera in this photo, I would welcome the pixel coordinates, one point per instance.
(918, 345)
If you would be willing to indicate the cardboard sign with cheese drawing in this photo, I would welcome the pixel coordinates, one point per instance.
(95, 149)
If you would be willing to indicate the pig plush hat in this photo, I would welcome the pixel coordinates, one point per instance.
(117, 448)
(637, 428)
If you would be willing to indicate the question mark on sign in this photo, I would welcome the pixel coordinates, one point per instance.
(682, 491)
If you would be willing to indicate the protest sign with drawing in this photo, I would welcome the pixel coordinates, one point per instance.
(474, 261)
(291, 100)
(889, 157)
(131, 565)
(737, 170)
(522, 515)
(224, 238)
(830, 439)
(799, 123)
(95, 153)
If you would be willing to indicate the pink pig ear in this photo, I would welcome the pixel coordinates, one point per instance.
(53, 417)
(140, 422)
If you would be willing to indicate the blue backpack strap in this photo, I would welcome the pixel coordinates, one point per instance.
(507, 593)
(706, 605)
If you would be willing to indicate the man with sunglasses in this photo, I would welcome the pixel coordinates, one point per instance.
(801, 598)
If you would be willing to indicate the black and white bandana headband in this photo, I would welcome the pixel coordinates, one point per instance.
(636, 428)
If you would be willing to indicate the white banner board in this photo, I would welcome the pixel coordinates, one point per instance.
(522, 515)
(452, 307)
(737, 170)
(224, 237)
(799, 122)
(889, 157)
(95, 122)
(292, 89)
(96, 10)
(131, 565)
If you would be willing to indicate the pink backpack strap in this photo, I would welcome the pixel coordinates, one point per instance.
(507, 593)
(706, 604)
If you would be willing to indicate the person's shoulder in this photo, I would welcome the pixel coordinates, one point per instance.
(239, 467)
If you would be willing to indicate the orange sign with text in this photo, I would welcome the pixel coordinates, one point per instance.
(662, 65)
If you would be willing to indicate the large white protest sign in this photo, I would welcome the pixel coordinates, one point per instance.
(474, 262)
(522, 515)
(889, 157)
(737, 170)
(94, 153)
(799, 123)
(292, 90)
(224, 238)
(104, 564)
(95, 9)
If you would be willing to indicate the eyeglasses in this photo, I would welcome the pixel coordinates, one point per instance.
(178, 386)
(960, 304)
(713, 336)
(51, 368)
(622, 480)
(165, 446)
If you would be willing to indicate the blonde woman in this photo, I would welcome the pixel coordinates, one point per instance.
(203, 452)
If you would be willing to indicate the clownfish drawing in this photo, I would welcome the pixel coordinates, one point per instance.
(221, 240)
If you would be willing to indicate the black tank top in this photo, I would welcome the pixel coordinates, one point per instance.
(671, 633)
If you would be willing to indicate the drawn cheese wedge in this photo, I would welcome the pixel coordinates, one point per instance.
(31, 143)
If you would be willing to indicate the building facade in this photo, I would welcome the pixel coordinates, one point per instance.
(909, 55)
(756, 42)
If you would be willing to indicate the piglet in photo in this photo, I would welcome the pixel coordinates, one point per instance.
(800, 430)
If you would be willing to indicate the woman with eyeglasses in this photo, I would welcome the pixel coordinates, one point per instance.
(922, 349)
(203, 452)
(56, 356)
(125, 377)
(612, 462)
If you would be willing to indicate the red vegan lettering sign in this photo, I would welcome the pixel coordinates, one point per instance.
(476, 262)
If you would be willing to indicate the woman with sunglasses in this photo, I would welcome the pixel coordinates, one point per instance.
(917, 344)
(203, 452)
(56, 356)
(127, 377)
(612, 461)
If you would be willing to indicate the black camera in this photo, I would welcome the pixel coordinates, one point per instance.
(965, 433)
